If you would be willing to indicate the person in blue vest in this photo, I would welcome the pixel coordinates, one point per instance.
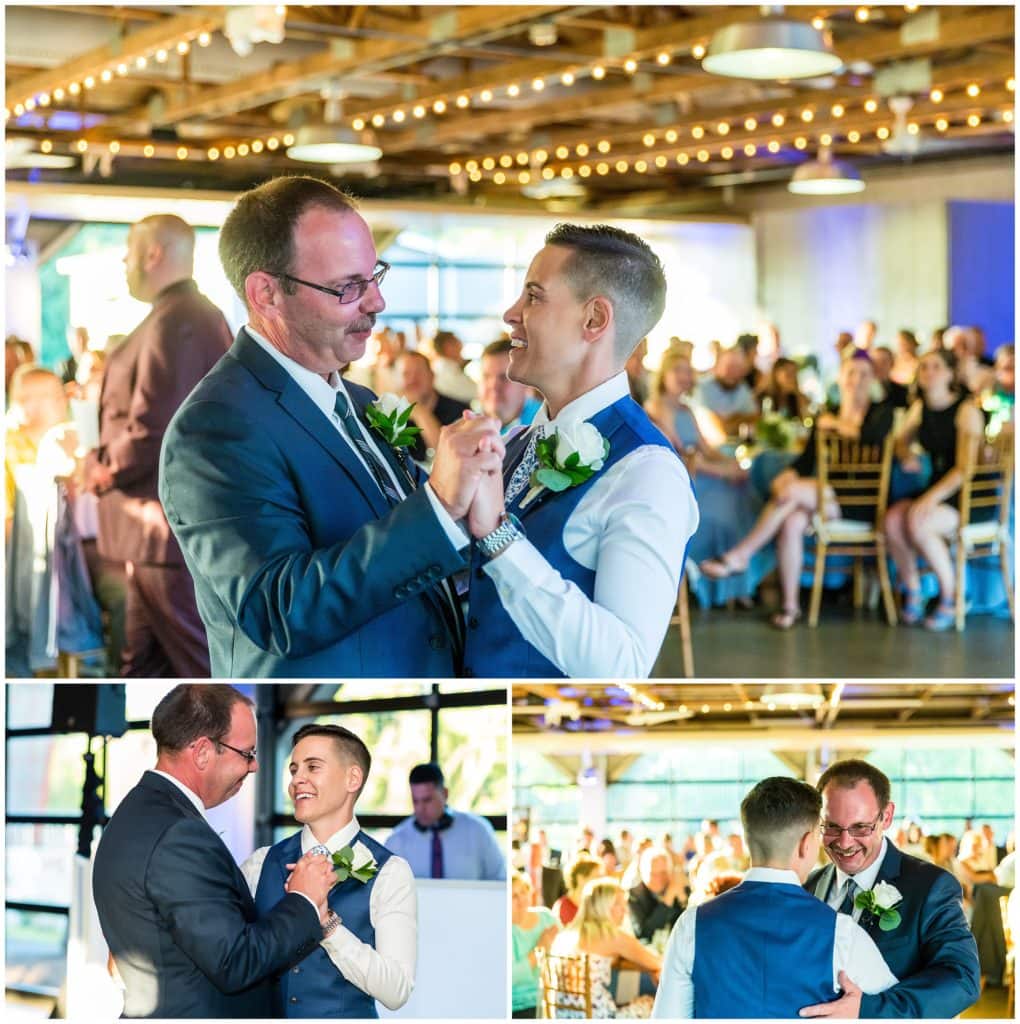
(580, 543)
(370, 942)
(931, 948)
(767, 947)
(442, 843)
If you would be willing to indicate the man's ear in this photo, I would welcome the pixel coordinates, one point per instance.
(262, 292)
(355, 778)
(202, 752)
(598, 318)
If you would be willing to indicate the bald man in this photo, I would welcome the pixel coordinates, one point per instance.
(146, 380)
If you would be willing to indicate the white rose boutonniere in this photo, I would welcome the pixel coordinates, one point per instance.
(388, 416)
(882, 901)
(354, 862)
(568, 455)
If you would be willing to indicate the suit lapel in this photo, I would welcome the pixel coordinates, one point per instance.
(396, 459)
(823, 882)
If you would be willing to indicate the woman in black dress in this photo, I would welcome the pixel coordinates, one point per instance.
(794, 497)
(944, 421)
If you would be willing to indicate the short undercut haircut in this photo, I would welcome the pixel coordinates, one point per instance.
(349, 746)
(775, 814)
(258, 233)
(846, 775)
(193, 710)
(617, 264)
(422, 773)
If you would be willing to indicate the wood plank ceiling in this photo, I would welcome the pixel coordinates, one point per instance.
(568, 107)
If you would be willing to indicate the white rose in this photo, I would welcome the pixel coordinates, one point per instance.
(582, 438)
(390, 403)
(886, 895)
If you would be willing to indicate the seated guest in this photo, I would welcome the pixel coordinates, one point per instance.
(767, 948)
(532, 927)
(610, 862)
(920, 527)
(795, 490)
(905, 364)
(448, 367)
(973, 371)
(415, 381)
(506, 400)
(598, 931)
(972, 868)
(584, 868)
(782, 391)
(748, 346)
(725, 393)
(897, 395)
(999, 399)
(658, 899)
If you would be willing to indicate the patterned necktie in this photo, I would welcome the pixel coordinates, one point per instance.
(522, 474)
(437, 854)
(847, 906)
(320, 848)
(345, 411)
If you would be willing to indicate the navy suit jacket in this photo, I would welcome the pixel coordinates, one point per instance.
(931, 951)
(179, 918)
(301, 568)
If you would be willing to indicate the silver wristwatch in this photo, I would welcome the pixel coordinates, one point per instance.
(332, 923)
(495, 543)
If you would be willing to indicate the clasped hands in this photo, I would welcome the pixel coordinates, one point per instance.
(467, 473)
(312, 876)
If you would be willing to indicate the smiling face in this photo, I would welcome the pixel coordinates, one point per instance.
(546, 322)
(323, 784)
(848, 806)
(228, 769)
(500, 397)
(331, 248)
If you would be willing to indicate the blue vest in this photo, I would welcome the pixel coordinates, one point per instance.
(494, 647)
(314, 987)
(763, 949)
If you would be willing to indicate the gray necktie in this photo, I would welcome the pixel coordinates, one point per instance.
(522, 474)
(847, 906)
(320, 848)
(345, 411)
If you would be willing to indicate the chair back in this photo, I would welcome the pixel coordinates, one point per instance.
(858, 473)
(987, 476)
(564, 984)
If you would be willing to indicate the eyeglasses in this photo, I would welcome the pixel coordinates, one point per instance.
(353, 290)
(248, 755)
(858, 831)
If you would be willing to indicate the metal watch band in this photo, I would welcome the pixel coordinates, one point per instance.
(331, 925)
(495, 543)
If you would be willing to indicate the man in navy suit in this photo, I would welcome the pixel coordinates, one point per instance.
(931, 949)
(174, 907)
(317, 549)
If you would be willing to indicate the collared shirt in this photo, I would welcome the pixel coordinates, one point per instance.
(193, 797)
(470, 849)
(323, 393)
(631, 527)
(865, 880)
(854, 951)
(385, 971)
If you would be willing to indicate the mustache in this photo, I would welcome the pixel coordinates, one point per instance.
(367, 324)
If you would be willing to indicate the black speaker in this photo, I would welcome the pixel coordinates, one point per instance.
(99, 710)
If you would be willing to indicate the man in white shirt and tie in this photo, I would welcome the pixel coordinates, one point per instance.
(767, 948)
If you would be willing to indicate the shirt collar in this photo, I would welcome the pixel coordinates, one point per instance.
(588, 404)
(322, 392)
(337, 841)
(777, 876)
(865, 880)
(193, 797)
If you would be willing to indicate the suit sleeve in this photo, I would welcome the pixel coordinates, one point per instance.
(193, 885)
(950, 980)
(227, 492)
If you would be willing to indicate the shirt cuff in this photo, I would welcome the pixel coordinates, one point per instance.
(520, 565)
(455, 533)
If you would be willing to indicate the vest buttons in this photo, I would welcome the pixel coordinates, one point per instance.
(473, 623)
(293, 999)
(297, 970)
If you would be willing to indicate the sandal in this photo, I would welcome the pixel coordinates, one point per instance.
(786, 619)
(943, 618)
(721, 568)
(912, 610)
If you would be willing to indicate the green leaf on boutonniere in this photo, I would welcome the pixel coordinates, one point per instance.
(551, 478)
(393, 428)
(343, 866)
(888, 920)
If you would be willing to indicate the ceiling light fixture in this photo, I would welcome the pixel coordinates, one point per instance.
(330, 144)
(823, 177)
(772, 48)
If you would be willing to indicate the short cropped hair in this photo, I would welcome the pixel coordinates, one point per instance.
(430, 772)
(775, 814)
(193, 710)
(258, 233)
(502, 347)
(615, 263)
(846, 775)
(350, 746)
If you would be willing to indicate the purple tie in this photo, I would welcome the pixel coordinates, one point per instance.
(437, 854)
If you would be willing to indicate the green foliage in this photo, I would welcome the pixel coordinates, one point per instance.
(343, 864)
(394, 428)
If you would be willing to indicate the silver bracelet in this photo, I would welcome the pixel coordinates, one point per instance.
(496, 542)
(331, 925)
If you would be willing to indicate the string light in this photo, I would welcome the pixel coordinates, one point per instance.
(604, 146)
(272, 143)
(439, 106)
(548, 173)
(524, 177)
(114, 147)
(800, 142)
(862, 14)
(622, 166)
(538, 84)
(46, 146)
(1007, 116)
(750, 124)
(562, 152)
(81, 145)
(30, 104)
(818, 23)
(698, 51)
(204, 39)
(882, 132)
(74, 88)
(663, 59)
(773, 146)
(471, 165)
(630, 65)
(807, 115)
(378, 120)
(672, 135)
(598, 72)
(973, 120)
(584, 171)
(288, 139)
(475, 176)
(182, 152)
(399, 116)
(973, 90)
(183, 47)
(750, 149)
(522, 159)
(485, 95)
(161, 56)
(602, 168)
(89, 81)
(1010, 84)
(419, 111)
(936, 95)
(683, 159)
(213, 153)
(567, 78)
(661, 161)
(540, 156)
(825, 139)
(257, 146)
(358, 124)
(488, 163)
(58, 94)
(122, 70)
(582, 149)
(640, 166)
(567, 172)
(499, 178)
(726, 152)
(513, 89)
(697, 132)
(913, 128)
(463, 101)
(141, 63)
(853, 136)
(723, 128)
(506, 160)
(106, 75)
(229, 152)
(648, 139)
(242, 149)
(149, 150)
(871, 105)
(838, 110)
(941, 124)
(778, 120)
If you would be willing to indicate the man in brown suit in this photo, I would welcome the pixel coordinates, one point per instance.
(146, 380)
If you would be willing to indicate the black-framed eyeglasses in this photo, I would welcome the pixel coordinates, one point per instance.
(353, 290)
(858, 831)
(248, 755)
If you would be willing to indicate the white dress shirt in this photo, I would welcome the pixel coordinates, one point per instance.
(854, 951)
(865, 881)
(385, 972)
(193, 797)
(323, 393)
(631, 528)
